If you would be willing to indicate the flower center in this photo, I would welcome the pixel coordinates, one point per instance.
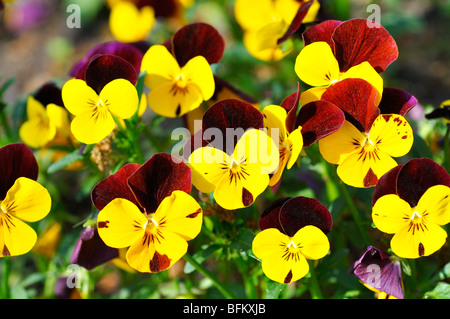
(151, 223)
(292, 244)
(181, 81)
(234, 165)
(2, 210)
(367, 142)
(416, 217)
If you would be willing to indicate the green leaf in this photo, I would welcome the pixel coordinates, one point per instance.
(274, 289)
(441, 291)
(65, 161)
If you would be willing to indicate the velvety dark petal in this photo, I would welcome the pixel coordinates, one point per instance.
(321, 32)
(63, 290)
(319, 119)
(396, 101)
(16, 160)
(296, 22)
(376, 270)
(197, 39)
(131, 52)
(301, 211)
(114, 186)
(290, 104)
(225, 122)
(356, 97)
(166, 8)
(387, 184)
(157, 178)
(355, 41)
(416, 176)
(90, 251)
(106, 68)
(439, 113)
(270, 218)
(49, 93)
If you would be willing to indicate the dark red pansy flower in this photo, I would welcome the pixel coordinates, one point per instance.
(376, 269)
(144, 185)
(317, 119)
(396, 101)
(90, 251)
(130, 52)
(289, 214)
(49, 93)
(355, 41)
(16, 160)
(411, 180)
(296, 22)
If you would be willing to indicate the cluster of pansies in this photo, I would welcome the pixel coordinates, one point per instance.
(147, 208)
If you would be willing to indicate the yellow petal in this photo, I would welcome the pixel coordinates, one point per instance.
(93, 125)
(27, 200)
(436, 203)
(311, 95)
(275, 118)
(36, 132)
(336, 147)
(58, 117)
(160, 66)
(312, 242)
(120, 223)
(316, 65)
(261, 50)
(390, 213)
(208, 166)
(35, 109)
(295, 142)
(410, 242)
(251, 16)
(180, 214)
(392, 134)
(129, 24)
(120, 97)
(16, 237)
(166, 100)
(198, 72)
(78, 97)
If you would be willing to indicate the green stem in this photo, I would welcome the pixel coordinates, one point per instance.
(247, 278)
(314, 287)
(354, 211)
(5, 278)
(205, 272)
(5, 125)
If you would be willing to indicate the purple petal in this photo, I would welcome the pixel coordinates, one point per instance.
(396, 101)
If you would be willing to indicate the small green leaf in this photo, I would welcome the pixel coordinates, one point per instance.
(65, 161)
(441, 291)
(274, 289)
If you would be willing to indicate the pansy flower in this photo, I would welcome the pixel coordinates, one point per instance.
(293, 230)
(411, 201)
(364, 145)
(329, 56)
(22, 199)
(297, 129)
(108, 91)
(148, 209)
(174, 89)
(268, 25)
(442, 112)
(379, 272)
(47, 119)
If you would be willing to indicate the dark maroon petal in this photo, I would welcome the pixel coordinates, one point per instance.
(62, 289)
(319, 119)
(376, 269)
(90, 251)
(396, 101)
(290, 104)
(157, 178)
(356, 97)
(270, 218)
(16, 160)
(107, 68)
(355, 42)
(226, 121)
(49, 93)
(301, 211)
(321, 32)
(296, 22)
(416, 176)
(197, 39)
(131, 52)
(166, 8)
(114, 186)
(387, 184)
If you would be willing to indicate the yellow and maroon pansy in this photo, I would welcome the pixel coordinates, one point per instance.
(412, 202)
(22, 199)
(293, 230)
(365, 144)
(148, 209)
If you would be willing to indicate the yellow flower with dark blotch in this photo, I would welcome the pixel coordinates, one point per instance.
(22, 199)
(128, 23)
(289, 144)
(94, 113)
(235, 179)
(176, 90)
